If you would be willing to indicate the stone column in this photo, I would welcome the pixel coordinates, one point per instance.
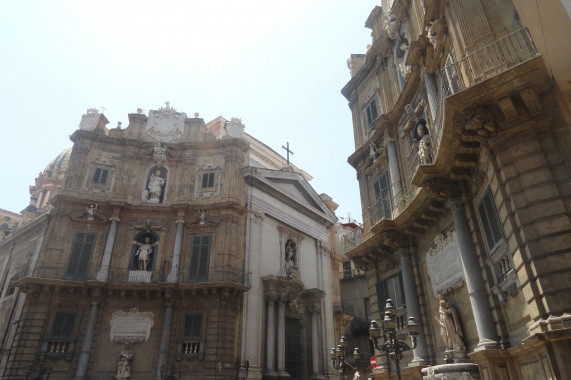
(103, 272)
(412, 306)
(281, 336)
(173, 275)
(80, 373)
(474, 280)
(270, 337)
(315, 340)
(165, 338)
(396, 185)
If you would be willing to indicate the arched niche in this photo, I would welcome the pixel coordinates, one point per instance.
(140, 240)
(156, 184)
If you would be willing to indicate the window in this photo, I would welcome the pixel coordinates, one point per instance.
(200, 258)
(207, 180)
(391, 287)
(80, 256)
(382, 208)
(346, 269)
(100, 176)
(372, 113)
(192, 334)
(490, 220)
(60, 340)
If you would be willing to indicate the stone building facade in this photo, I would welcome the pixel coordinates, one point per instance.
(172, 244)
(461, 119)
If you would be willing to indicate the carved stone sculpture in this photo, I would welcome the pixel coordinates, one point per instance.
(124, 365)
(423, 145)
(202, 216)
(450, 328)
(155, 186)
(90, 211)
(144, 254)
(290, 259)
(374, 150)
(393, 28)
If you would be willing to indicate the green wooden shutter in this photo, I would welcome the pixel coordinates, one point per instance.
(491, 224)
(80, 256)
(200, 258)
(383, 196)
(63, 324)
(193, 326)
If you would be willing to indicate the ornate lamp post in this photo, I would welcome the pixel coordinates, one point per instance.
(174, 368)
(338, 358)
(392, 345)
(44, 370)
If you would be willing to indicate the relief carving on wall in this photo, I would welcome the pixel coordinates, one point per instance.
(165, 124)
(131, 326)
(444, 265)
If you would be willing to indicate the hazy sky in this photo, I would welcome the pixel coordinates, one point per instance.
(279, 66)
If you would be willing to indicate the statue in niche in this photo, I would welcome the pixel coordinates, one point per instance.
(144, 254)
(124, 365)
(143, 251)
(202, 216)
(374, 150)
(155, 186)
(450, 328)
(423, 143)
(290, 252)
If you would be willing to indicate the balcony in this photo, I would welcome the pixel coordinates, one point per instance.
(492, 60)
(348, 274)
(58, 273)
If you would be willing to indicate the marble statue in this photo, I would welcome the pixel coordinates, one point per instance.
(144, 254)
(357, 376)
(290, 251)
(201, 216)
(124, 365)
(450, 328)
(423, 145)
(374, 150)
(155, 187)
(91, 210)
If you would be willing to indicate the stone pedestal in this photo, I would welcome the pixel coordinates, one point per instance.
(456, 371)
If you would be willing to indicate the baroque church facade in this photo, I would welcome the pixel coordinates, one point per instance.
(461, 118)
(169, 247)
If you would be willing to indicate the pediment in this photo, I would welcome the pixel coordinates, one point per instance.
(289, 187)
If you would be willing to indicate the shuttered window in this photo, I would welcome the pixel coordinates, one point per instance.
(383, 206)
(372, 113)
(63, 324)
(490, 220)
(193, 326)
(200, 258)
(391, 287)
(80, 256)
(208, 180)
(100, 176)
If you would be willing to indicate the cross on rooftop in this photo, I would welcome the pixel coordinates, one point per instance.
(287, 151)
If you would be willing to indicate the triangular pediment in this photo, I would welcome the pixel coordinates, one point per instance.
(291, 188)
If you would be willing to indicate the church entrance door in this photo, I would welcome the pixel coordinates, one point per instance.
(293, 347)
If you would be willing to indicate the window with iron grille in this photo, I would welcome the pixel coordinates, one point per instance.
(490, 220)
(207, 180)
(80, 256)
(346, 269)
(200, 258)
(100, 176)
(192, 334)
(372, 113)
(383, 207)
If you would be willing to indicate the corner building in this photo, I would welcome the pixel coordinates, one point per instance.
(461, 118)
(169, 242)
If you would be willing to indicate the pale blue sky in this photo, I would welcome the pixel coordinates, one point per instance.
(279, 66)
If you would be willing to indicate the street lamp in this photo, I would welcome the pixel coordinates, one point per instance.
(338, 356)
(392, 345)
(173, 369)
(44, 370)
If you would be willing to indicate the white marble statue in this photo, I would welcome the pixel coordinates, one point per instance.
(450, 328)
(155, 187)
(144, 254)
(202, 216)
(124, 365)
(91, 210)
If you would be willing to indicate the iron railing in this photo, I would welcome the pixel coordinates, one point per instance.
(489, 61)
(353, 239)
(59, 271)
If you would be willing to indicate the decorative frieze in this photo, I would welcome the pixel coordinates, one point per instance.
(131, 326)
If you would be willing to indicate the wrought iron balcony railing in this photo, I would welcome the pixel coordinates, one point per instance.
(485, 63)
(61, 272)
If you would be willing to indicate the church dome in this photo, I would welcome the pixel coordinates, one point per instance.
(60, 162)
